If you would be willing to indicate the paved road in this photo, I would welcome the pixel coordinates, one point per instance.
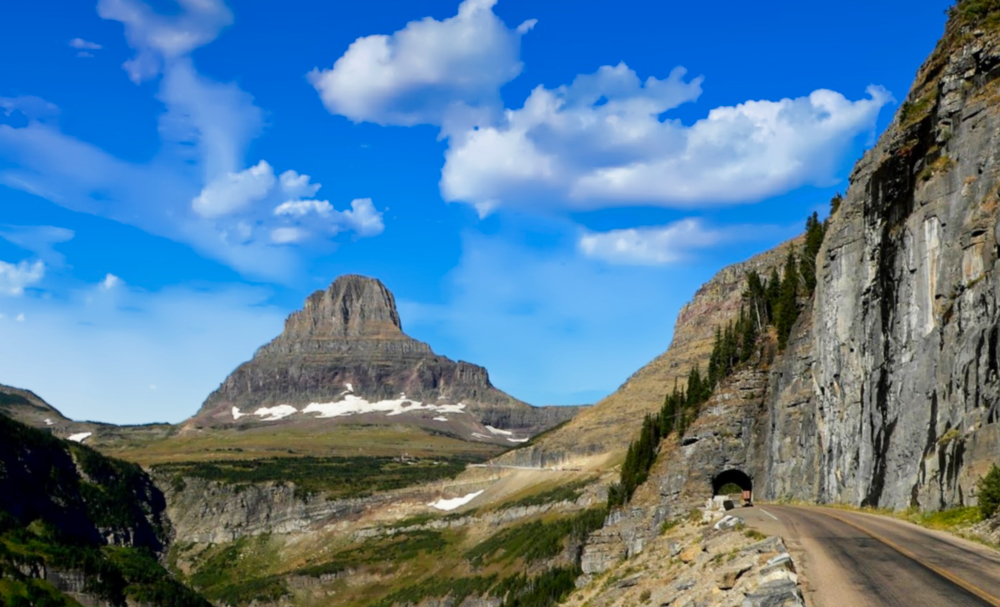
(848, 559)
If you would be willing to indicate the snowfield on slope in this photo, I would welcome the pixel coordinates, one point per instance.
(455, 502)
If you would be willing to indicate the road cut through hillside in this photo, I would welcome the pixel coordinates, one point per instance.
(850, 559)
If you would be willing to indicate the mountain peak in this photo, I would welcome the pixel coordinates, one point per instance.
(353, 306)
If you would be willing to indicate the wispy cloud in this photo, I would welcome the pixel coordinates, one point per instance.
(40, 240)
(80, 43)
(198, 189)
(667, 244)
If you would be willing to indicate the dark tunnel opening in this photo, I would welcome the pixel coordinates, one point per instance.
(733, 477)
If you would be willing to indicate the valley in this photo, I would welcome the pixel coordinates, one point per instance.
(347, 464)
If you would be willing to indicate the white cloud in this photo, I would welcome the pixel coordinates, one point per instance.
(288, 235)
(428, 72)
(601, 141)
(20, 317)
(666, 244)
(197, 189)
(15, 277)
(297, 186)
(362, 218)
(301, 208)
(161, 39)
(84, 54)
(111, 282)
(80, 43)
(34, 108)
(40, 240)
(234, 191)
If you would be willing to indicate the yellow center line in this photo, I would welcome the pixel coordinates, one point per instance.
(951, 577)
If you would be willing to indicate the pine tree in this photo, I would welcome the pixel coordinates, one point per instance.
(788, 307)
(835, 203)
(815, 231)
(773, 291)
(748, 338)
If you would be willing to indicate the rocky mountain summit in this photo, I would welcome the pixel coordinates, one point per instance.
(344, 356)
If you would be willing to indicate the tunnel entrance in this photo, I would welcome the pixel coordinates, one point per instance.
(733, 481)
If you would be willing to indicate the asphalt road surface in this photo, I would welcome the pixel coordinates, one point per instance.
(848, 559)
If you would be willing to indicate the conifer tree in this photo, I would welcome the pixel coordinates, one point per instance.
(815, 231)
(788, 306)
(773, 292)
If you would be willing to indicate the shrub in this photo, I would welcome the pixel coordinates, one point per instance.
(989, 492)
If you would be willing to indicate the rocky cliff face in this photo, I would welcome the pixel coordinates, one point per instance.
(888, 392)
(345, 355)
(895, 364)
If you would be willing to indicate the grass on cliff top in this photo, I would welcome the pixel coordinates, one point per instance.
(337, 477)
(323, 441)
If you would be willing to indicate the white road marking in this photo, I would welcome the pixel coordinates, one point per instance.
(768, 513)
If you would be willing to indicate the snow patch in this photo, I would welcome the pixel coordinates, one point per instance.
(355, 405)
(273, 414)
(79, 438)
(48, 422)
(499, 431)
(518, 440)
(440, 419)
(349, 387)
(455, 502)
(478, 435)
(236, 413)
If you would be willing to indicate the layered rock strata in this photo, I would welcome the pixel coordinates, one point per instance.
(345, 354)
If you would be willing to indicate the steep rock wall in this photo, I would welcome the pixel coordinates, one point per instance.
(895, 362)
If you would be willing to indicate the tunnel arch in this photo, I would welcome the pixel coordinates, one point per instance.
(732, 476)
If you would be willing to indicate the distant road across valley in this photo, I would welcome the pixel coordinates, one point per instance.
(849, 559)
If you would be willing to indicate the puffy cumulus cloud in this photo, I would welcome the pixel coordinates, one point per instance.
(15, 277)
(160, 39)
(182, 340)
(234, 191)
(81, 44)
(297, 186)
(363, 219)
(601, 141)
(429, 72)
(301, 208)
(666, 244)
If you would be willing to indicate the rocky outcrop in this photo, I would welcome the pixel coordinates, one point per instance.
(607, 427)
(707, 562)
(209, 512)
(348, 342)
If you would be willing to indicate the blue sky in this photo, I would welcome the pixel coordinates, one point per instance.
(542, 185)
